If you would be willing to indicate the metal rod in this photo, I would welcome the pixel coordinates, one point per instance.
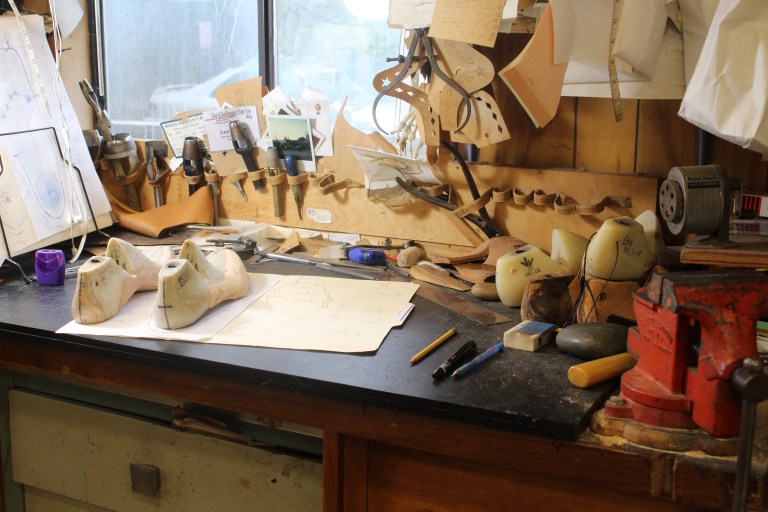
(744, 466)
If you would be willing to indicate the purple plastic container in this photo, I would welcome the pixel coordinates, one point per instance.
(49, 267)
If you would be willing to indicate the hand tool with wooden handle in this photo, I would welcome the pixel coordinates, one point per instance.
(594, 372)
(273, 170)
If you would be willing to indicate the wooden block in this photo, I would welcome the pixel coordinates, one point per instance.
(529, 335)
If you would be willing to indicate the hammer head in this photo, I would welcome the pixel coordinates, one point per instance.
(159, 148)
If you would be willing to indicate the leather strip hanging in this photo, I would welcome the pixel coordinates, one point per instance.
(540, 198)
(298, 180)
(276, 181)
(328, 184)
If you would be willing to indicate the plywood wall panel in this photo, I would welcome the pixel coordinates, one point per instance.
(602, 144)
(740, 163)
(664, 139)
(550, 146)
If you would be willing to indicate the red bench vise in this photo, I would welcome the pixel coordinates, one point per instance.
(693, 330)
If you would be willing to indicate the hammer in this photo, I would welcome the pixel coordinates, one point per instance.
(604, 345)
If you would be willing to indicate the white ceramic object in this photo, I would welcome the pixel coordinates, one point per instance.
(619, 251)
(568, 249)
(516, 268)
(653, 234)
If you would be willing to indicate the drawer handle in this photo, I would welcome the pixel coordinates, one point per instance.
(145, 479)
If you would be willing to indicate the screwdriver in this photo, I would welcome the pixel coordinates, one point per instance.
(292, 167)
(274, 170)
(243, 147)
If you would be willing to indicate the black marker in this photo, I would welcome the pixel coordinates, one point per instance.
(466, 350)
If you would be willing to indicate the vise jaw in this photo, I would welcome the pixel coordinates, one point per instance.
(693, 330)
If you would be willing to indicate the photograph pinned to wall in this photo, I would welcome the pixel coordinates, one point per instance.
(293, 136)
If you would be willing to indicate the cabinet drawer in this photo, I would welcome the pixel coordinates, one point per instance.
(36, 500)
(85, 454)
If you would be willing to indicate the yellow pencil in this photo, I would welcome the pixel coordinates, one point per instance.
(432, 346)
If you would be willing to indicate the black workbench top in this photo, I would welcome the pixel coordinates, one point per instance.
(516, 391)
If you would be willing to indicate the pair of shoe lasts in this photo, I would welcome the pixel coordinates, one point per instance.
(188, 286)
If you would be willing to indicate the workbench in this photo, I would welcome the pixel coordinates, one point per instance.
(511, 435)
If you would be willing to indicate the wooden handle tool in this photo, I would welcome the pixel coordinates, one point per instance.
(594, 372)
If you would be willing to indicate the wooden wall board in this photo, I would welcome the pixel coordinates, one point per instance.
(445, 484)
(664, 140)
(602, 144)
(740, 163)
(550, 146)
(554, 144)
(352, 212)
(349, 211)
(534, 224)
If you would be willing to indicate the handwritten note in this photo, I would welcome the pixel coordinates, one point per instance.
(471, 21)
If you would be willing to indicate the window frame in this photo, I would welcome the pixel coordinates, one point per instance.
(96, 52)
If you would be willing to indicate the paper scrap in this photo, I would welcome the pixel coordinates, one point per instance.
(408, 14)
(313, 104)
(321, 313)
(470, 21)
(216, 124)
(176, 130)
(381, 166)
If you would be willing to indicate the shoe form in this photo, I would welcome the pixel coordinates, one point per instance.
(105, 283)
(193, 283)
(103, 287)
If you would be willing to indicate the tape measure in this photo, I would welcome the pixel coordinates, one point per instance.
(32, 59)
(612, 75)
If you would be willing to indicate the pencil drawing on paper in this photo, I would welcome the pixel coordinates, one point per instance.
(343, 315)
(38, 129)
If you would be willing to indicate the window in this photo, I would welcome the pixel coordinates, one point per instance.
(166, 56)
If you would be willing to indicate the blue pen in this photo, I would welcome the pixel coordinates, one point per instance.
(466, 368)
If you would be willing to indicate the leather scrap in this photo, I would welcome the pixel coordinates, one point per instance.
(155, 223)
(490, 249)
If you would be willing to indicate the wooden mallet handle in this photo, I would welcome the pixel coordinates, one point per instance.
(594, 372)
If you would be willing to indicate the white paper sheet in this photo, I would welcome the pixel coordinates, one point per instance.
(407, 14)
(38, 195)
(321, 313)
(313, 104)
(176, 130)
(217, 126)
(582, 38)
(383, 166)
(728, 92)
(696, 19)
(668, 81)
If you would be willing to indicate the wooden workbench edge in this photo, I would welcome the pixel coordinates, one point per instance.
(634, 473)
